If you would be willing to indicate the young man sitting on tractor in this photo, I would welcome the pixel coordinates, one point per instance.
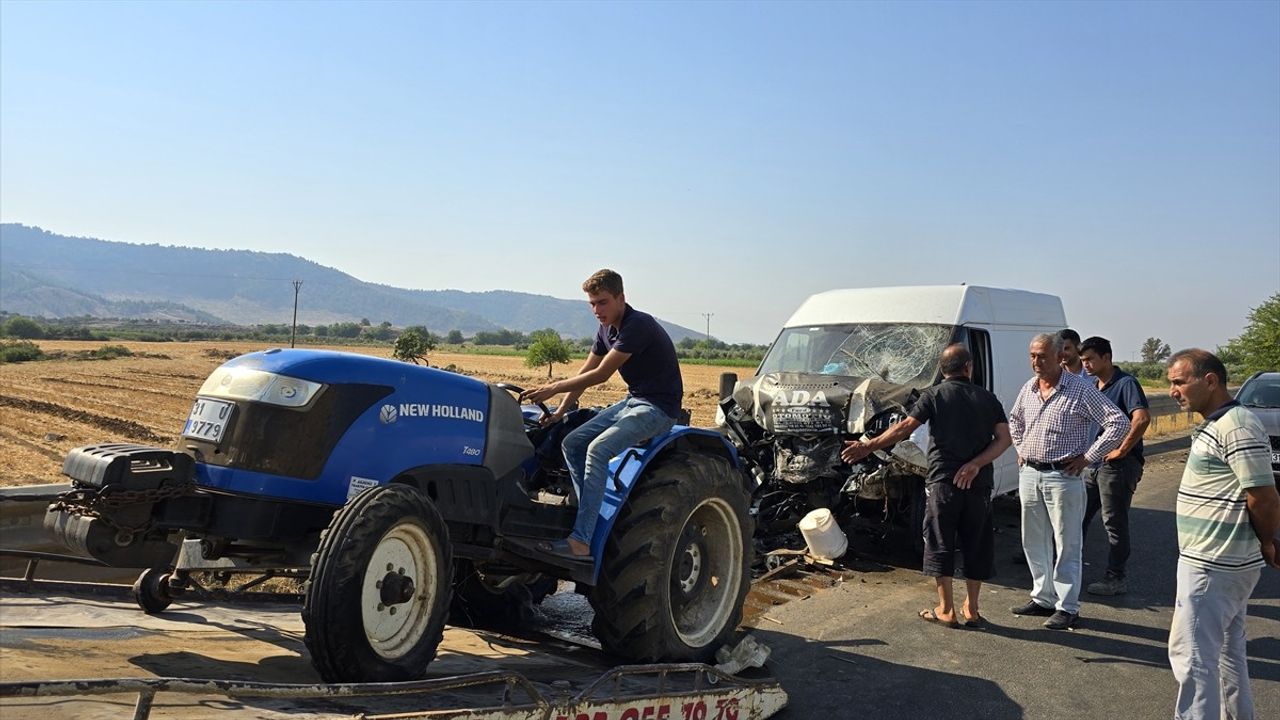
(632, 343)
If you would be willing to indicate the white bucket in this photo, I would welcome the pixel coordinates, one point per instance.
(823, 536)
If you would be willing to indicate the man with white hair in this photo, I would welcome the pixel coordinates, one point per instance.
(1054, 423)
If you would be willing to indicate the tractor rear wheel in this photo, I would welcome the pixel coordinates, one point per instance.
(376, 602)
(677, 566)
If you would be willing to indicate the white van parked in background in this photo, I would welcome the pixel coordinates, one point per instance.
(850, 362)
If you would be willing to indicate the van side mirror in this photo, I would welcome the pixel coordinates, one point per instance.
(728, 381)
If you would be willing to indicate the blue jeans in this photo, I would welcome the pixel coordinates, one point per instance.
(1053, 516)
(1207, 643)
(589, 448)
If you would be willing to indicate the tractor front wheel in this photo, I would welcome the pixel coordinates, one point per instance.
(378, 595)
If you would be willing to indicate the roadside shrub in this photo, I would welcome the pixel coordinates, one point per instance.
(19, 351)
(110, 352)
(1151, 371)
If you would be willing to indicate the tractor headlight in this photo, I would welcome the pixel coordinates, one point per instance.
(259, 386)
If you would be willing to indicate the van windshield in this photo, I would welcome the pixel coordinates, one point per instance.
(903, 353)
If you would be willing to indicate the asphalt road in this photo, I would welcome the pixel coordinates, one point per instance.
(859, 651)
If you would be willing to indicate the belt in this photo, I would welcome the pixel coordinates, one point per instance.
(1046, 466)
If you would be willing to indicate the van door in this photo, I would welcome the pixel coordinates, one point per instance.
(978, 341)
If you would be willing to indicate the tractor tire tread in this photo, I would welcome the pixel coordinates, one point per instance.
(631, 608)
(335, 564)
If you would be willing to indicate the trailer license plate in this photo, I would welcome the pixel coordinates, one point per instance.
(208, 420)
(1275, 458)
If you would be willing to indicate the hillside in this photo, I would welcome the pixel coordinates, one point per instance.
(50, 275)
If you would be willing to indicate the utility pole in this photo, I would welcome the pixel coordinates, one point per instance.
(293, 334)
(708, 316)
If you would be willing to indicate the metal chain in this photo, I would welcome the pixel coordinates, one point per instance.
(101, 503)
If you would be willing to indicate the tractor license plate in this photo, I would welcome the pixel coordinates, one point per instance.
(208, 420)
(1275, 458)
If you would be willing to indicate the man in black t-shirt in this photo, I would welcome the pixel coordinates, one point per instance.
(633, 344)
(969, 430)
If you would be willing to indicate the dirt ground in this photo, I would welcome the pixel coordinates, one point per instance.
(49, 407)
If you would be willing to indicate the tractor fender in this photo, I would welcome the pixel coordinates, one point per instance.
(628, 467)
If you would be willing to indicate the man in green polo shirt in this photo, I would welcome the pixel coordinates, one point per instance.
(1228, 519)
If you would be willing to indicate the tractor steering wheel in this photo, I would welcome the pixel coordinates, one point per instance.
(518, 391)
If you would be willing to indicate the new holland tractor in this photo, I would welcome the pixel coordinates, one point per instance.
(397, 491)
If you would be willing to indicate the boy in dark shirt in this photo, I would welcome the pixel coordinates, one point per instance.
(969, 430)
(635, 345)
(1109, 485)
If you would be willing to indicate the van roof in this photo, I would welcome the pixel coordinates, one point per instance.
(935, 304)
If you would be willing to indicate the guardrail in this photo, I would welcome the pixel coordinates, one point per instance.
(22, 528)
(1167, 418)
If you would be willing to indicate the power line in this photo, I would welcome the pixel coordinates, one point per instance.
(708, 316)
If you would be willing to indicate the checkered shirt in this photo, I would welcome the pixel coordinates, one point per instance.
(1066, 424)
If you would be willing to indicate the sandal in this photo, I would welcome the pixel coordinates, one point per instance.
(560, 549)
(930, 616)
(976, 621)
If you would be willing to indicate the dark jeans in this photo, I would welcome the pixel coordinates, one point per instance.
(956, 519)
(1110, 488)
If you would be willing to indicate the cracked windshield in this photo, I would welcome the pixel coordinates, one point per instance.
(897, 352)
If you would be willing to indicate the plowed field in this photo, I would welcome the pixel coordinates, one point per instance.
(49, 407)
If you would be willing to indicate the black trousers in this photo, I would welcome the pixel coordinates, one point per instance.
(956, 519)
(1110, 488)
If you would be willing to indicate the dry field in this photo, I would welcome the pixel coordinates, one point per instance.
(50, 407)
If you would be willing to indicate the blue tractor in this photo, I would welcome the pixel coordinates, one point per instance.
(404, 493)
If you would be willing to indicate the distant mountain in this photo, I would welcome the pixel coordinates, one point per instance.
(45, 274)
(23, 293)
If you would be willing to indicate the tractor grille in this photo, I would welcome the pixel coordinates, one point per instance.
(287, 441)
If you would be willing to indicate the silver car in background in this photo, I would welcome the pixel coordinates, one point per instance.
(1261, 394)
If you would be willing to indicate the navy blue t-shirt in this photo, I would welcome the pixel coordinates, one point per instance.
(1124, 391)
(652, 372)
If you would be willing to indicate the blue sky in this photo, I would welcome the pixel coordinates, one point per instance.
(729, 158)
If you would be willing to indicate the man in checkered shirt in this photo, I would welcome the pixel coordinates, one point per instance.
(1054, 423)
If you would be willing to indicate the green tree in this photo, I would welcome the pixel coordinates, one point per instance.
(414, 344)
(1155, 350)
(546, 348)
(381, 332)
(455, 337)
(499, 337)
(24, 328)
(344, 330)
(1258, 347)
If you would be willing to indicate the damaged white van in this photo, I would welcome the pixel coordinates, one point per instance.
(852, 362)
